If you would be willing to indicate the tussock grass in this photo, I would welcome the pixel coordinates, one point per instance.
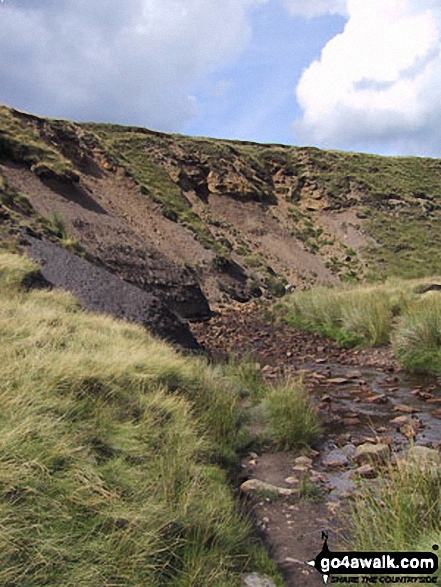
(417, 339)
(107, 453)
(400, 511)
(363, 315)
(292, 421)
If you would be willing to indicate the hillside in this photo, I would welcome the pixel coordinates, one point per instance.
(196, 222)
(110, 451)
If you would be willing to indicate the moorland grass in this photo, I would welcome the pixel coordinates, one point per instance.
(417, 338)
(372, 315)
(108, 445)
(400, 511)
(292, 421)
(353, 315)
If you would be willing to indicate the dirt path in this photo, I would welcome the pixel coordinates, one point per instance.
(359, 395)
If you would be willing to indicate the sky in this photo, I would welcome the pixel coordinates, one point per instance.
(356, 75)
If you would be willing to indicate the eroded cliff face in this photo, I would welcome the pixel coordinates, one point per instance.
(198, 222)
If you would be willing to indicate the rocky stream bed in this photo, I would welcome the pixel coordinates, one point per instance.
(367, 405)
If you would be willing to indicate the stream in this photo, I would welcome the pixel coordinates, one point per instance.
(361, 396)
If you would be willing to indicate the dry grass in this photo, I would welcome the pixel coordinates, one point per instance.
(108, 439)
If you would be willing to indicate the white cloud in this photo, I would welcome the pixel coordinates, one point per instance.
(311, 8)
(377, 84)
(130, 61)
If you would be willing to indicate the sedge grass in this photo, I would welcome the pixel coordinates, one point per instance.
(108, 446)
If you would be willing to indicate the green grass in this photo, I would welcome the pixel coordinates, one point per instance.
(292, 422)
(108, 446)
(360, 315)
(21, 141)
(417, 339)
(401, 511)
(363, 315)
(372, 315)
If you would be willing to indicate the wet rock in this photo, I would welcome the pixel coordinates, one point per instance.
(371, 452)
(405, 409)
(377, 399)
(400, 421)
(255, 486)
(334, 459)
(349, 450)
(338, 380)
(256, 580)
(350, 421)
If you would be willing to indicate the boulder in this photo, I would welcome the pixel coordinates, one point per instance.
(335, 458)
(371, 452)
(255, 486)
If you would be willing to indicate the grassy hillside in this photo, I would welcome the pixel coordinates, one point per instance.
(296, 197)
(108, 446)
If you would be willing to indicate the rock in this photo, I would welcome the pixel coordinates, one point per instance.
(292, 561)
(366, 471)
(300, 469)
(335, 458)
(338, 380)
(256, 486)
(354, 374)
(377, 399)
(350, 421)
(371, 452)
(291, 480)
(349, 450)
(305, 461)
(400, 421)
(405, 409)
(256, 580)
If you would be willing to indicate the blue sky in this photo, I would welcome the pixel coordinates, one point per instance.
(253, 98)
(359, 75)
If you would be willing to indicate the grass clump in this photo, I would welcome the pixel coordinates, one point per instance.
(397, 311)
(292, 421)
(417, 339)
(107, 450)
(361, 315)
(400, 511)
(21, 142)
